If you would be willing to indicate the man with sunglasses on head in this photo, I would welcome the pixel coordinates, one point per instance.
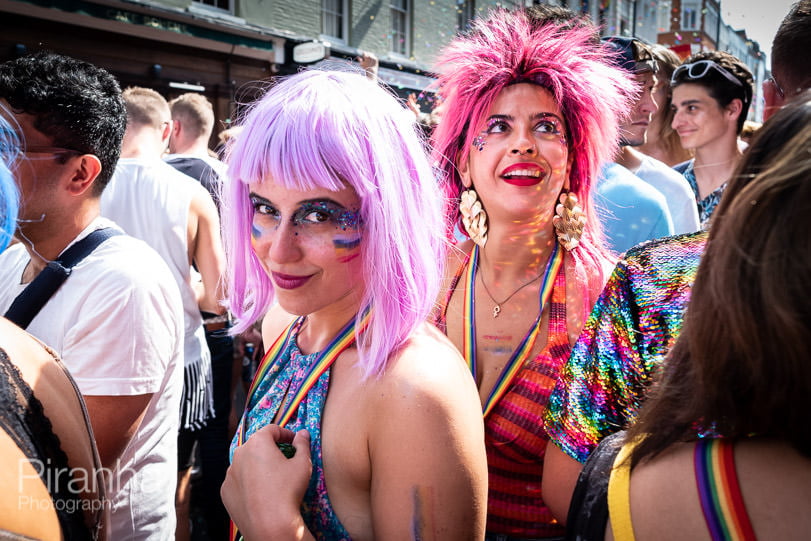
(116, 319)
(638, 316)
(712, 92)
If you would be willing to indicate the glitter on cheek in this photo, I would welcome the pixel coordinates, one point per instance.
(479, 142)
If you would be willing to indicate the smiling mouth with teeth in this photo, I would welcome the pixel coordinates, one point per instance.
(523, 173)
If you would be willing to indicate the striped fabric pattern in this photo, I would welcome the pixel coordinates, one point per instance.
(719, 491)
(515, 437)
(197, 400)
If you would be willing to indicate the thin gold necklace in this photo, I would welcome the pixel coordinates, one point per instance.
(497, 307)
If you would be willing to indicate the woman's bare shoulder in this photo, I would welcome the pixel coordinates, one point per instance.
(774, 480)
(428, 367)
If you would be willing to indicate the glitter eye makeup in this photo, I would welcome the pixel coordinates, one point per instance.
(326, 211)
(319, 219)
(547, 126)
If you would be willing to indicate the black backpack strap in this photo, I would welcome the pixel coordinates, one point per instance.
(28, 303)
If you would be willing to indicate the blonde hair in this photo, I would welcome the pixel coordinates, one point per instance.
(195, 112)
(145, 107)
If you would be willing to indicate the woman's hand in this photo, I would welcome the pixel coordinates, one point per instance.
(263, 489)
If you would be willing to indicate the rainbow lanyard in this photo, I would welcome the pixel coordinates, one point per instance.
(344, 339)
(719, 492)
(522, 352)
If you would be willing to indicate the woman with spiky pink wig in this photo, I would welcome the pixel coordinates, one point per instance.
(531, 111)
(332, 210)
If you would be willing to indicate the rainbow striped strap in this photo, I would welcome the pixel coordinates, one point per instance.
(271, 355)
(719, 491)
(344, 339)
(522, 352)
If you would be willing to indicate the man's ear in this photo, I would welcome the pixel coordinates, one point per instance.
(168, 130)
(86, 169)
(463, 168)
(734, 109)
(175, 128)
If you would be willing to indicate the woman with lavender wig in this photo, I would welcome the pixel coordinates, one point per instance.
(333, 211)
(531, 112)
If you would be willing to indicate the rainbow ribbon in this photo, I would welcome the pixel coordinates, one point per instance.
(344, 339)
(522, 352)
(719, 492)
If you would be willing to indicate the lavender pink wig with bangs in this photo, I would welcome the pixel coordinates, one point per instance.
(506, 48)
(330, 129)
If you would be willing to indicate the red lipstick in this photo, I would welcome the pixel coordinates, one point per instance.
(288, 281)
(523, 174)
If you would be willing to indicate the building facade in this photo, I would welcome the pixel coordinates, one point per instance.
(230, 50)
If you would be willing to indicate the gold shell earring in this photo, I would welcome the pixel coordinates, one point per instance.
(474, 218)
(569, 221)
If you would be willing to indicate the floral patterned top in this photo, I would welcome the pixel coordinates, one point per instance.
(707, 205)
(288, 372)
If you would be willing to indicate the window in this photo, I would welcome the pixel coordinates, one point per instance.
(465, 11)
(690, 16)
(333, 19)
(400, 43)
(224, 5)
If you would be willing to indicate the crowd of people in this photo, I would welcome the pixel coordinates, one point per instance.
(446, 352)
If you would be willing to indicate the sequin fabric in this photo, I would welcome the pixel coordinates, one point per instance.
(707, 205)
(288, 373)
(633, 324)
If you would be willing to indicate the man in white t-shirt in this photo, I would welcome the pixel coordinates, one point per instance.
(117, 320)
(176, 216)
(636, 57)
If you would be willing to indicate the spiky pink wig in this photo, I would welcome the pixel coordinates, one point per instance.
(571, 64)
(332, 130)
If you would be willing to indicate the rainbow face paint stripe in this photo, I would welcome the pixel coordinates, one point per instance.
(346, 248)
(522, 352)
(719, 492)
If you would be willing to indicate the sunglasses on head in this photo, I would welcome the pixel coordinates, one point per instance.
(698, 70)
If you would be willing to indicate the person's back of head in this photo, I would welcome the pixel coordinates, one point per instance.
(791, 68)
(195, 114)
(542, 14)
(746, 331)
(73, 102)
(147, 113)
(724, 76)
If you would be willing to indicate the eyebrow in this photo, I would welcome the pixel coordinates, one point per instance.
(536, 116)
(688, 102)
(254, 195)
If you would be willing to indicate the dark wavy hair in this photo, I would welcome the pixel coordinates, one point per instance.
(722, 90)
(75, 103)
(741, 364)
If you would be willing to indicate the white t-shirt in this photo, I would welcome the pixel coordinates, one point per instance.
(679, 196)
(150, 200)
(117, 324)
